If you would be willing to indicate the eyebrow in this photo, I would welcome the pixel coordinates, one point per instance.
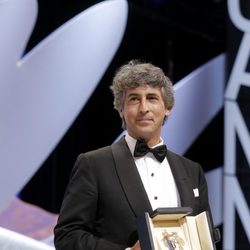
(152, 94)
(133, 94)
(148, 95)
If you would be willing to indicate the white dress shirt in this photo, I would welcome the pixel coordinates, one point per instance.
(157, 178)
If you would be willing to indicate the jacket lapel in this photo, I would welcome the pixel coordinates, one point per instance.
(133, 186)
(182, 181)
(130, 178)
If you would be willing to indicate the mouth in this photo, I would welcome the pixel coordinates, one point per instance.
(144, 120)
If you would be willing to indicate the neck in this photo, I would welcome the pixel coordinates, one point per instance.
(151, 143)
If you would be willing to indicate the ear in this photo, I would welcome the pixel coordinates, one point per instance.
(121, 114)
(167, 112)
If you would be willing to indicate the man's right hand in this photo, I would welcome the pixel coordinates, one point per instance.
(136, 246)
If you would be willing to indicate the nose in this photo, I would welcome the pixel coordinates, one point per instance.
(144, 108)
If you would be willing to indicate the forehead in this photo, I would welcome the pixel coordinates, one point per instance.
(144, 90)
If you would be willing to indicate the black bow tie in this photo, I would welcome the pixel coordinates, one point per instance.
(142, 149)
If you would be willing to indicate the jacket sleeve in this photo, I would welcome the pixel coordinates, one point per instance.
(206, 207)
(75, 228)
(203, 189)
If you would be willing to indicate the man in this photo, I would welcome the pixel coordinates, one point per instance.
(110, 187)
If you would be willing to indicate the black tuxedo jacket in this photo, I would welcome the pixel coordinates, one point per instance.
(105, 195)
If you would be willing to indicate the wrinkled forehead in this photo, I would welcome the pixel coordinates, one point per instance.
(143, 90)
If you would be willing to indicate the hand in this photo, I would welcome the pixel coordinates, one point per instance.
(136, 246)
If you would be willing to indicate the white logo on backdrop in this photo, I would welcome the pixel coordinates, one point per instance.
(43, 92)
(235, 125)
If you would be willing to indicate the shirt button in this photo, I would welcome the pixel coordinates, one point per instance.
(152, 174)
(155, 197)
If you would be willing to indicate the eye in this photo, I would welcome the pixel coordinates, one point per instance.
(153, 98)
(133, 99)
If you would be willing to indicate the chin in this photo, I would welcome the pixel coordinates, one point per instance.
(145, 135)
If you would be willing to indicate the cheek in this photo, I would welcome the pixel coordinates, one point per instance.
(160, 110)
(129, 112)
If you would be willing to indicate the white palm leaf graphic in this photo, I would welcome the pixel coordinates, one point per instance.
(42, 93)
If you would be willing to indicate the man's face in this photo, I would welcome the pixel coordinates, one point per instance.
(144, 112)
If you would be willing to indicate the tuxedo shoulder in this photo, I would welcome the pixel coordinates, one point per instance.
(181, 158)
(100, 152)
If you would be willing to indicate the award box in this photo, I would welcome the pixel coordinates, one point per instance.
(175, 229)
